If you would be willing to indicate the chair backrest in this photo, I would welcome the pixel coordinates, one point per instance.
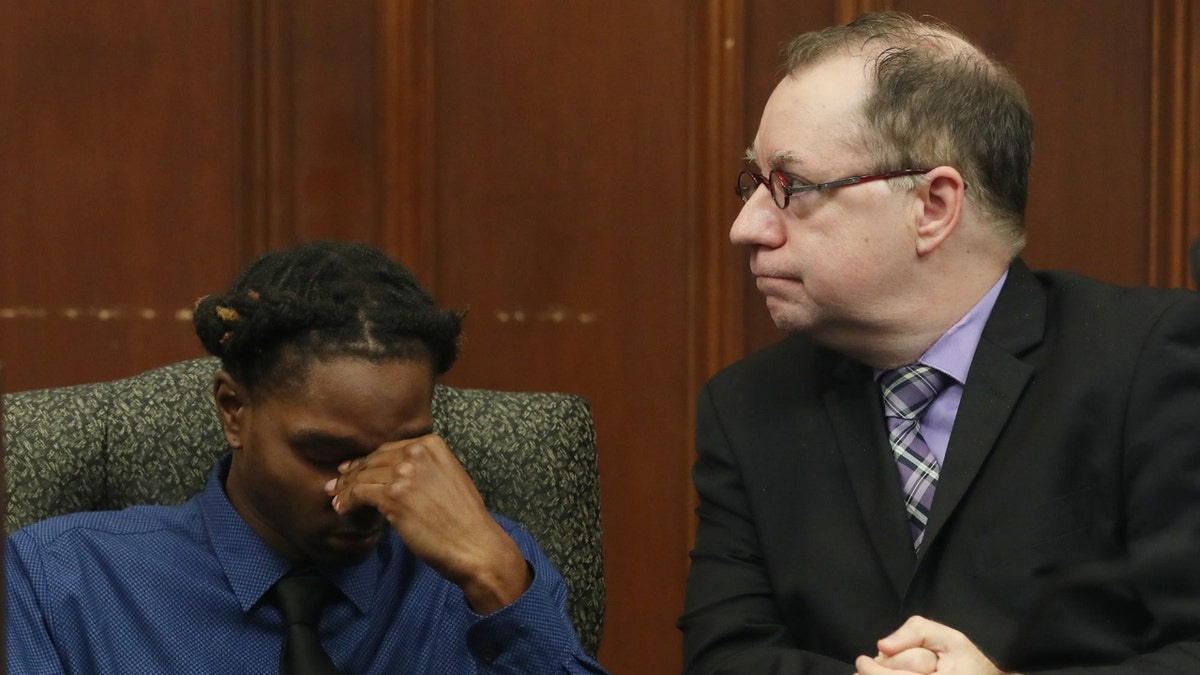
(151, 439)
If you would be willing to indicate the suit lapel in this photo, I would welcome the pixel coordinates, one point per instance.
(994, 384)
(857, 416)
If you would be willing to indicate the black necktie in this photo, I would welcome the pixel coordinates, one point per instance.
(300, 599)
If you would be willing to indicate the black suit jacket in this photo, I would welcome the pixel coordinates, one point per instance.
(1066, 526)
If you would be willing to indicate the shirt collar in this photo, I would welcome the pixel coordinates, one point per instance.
(954, 350)
(252, 567)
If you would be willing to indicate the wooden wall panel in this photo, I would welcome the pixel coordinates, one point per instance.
(563, 170)
(1174, 141)
(333, 139)
(314, 94)
(118, 189)
(406, 145)
(164, 145)
(337, 105)
(561, 132)
(715, 269)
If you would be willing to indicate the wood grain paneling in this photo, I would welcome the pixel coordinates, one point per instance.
(405, 129)
(165, 144)
(314, 93)
(563, 170)
(715, 277)
(265, 195)
(561, 139)
(335, 171)
(1174, 221)
(718, 117)
(117, 139)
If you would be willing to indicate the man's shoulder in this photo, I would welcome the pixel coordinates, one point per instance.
(95, 531)
(1074, 287)
(1088, 302)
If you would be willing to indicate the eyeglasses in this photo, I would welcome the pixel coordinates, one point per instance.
(781, 188)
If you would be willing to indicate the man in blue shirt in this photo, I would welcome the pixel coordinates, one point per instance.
(329, 353)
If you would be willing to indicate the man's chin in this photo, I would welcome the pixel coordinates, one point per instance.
(338, 549)
(787, 317)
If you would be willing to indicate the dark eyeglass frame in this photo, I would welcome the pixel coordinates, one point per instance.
(786, 189)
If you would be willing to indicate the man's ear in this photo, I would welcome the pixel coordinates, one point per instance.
(232, 407)
(942, 195)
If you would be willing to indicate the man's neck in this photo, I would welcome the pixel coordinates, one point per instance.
(902, 340)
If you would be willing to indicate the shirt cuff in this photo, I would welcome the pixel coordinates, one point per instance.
(534, 629)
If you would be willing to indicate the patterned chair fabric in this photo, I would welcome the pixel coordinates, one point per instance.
(153, 437)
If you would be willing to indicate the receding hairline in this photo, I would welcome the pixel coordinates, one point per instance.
(849, 126)
(926, 31)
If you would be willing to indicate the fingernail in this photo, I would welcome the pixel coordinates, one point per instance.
(344, 466)
(331, 485)
(336, 504)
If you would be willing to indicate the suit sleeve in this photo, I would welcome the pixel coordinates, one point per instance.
(731, 623)
(1162, 495)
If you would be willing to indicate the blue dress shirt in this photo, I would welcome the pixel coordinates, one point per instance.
(180, 589)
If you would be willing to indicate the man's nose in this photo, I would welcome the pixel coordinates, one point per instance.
(759, 222)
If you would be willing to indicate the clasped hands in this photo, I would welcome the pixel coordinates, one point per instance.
(925, 647)
(422, 490)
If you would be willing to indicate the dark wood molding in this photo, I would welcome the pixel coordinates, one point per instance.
(266, 191)
(1191, 178)
(714, 277)
(1175, 141)
(718, 62)
(406, 149)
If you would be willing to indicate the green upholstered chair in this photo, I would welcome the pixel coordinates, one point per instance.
(151, 439)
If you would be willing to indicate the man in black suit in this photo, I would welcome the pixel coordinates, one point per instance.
(954, 464)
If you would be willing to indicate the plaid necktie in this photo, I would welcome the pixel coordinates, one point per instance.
(907, 392)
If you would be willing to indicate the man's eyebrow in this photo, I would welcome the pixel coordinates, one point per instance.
(777, 161)
(314, 438)
(321, 438)
(782, 158)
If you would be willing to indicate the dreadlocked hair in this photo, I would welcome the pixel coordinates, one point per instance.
(323, 300)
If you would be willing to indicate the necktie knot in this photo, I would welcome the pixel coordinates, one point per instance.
(301, 598)
(908, 391)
